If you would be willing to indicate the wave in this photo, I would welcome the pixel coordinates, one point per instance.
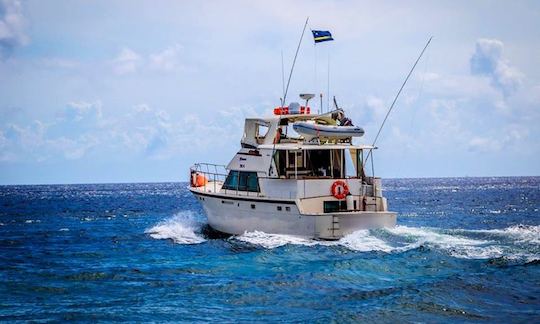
(181, 228)
(518, 242)
(457, 243)
(528, 234)
(271, 241)
(365, 241)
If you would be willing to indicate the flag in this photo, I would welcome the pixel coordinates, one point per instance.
(321, 36)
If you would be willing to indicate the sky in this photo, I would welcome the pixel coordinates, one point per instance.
(137, 91)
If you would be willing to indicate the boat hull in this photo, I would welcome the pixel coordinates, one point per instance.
(234, 215)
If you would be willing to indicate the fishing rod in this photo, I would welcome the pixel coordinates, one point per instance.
(397, 95)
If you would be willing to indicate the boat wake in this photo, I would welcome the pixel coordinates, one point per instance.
(271, 241)
(182, 228)
(519, 242)
(514, 243)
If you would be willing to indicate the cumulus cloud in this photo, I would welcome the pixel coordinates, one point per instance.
(508, 136)
(127, 61)
(12, 25)
(79, 110)
(167, 59)
(488, 60)
(81, 129)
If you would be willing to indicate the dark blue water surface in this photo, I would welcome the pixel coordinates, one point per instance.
(465, 249)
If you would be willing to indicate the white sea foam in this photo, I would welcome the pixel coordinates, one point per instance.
(361, 241)
(520, 233)
(181, 228)
(364, 241)
(271, 241)
(456, 245)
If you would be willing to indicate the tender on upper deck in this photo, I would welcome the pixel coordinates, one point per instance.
(299, 128)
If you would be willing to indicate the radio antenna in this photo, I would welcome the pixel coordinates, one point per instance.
(294, 61)
(282, 78)
(397, 95)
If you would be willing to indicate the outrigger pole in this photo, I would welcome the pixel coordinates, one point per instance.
(397, 96)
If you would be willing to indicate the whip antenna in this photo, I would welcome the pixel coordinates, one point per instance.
(397, 95)
(294, 61)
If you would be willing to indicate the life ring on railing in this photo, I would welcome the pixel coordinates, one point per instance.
(198, 180)
(339, 189)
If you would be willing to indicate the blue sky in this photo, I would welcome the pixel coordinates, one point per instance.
(128, 91)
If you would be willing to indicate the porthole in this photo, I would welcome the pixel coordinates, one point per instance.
(288, 208)
(252, 206)
(279, 208)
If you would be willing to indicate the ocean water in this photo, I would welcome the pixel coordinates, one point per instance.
(464, 250)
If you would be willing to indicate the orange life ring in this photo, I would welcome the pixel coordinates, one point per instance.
(198, 180)
(339, 189)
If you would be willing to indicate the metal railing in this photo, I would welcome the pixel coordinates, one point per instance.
(215, 176)
(213, 173)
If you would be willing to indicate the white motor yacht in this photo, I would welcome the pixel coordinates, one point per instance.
(284, 182)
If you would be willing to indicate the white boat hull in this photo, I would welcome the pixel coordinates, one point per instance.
(237, 215)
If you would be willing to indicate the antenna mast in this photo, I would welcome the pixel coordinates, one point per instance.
(294, 61)
(282, 77)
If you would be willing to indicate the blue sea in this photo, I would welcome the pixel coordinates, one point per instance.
(464, 250)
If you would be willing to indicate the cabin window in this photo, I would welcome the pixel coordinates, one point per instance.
(310, 163)
(334, 206)
(242, 181)
(232, 181)
(260, 132)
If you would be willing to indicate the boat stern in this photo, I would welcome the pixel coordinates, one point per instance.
(337, 225)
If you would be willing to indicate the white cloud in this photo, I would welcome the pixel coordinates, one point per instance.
(506, 138)
(81, 128)
(127, 61)
(484, 144)
(488, 60)
(59, 63)
(167, 59)
(79, 110)
(12, 25)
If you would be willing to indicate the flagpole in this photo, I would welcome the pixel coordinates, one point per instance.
(328, 85)
(315, 67)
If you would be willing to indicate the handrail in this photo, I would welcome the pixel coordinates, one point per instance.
(205, 170)
(216, 175)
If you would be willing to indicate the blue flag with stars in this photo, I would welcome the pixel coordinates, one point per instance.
(321, 36)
